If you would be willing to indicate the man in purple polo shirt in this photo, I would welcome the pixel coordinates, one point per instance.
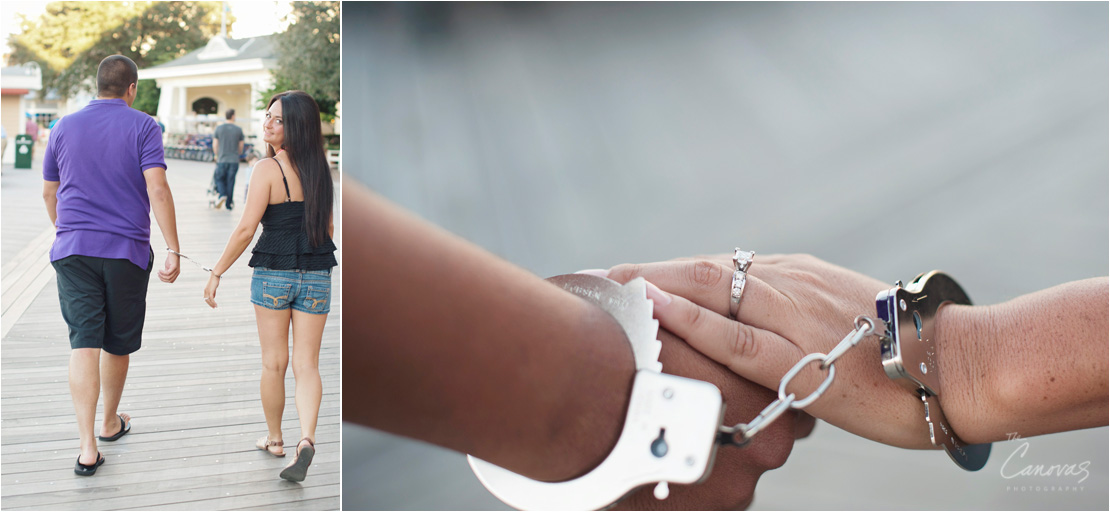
(103, 173)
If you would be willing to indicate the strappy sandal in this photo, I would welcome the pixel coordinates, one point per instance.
(88, 469)
(264, 443)
(296, 470)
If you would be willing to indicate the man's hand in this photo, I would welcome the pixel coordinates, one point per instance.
(170, 271)
(161, 203)
(734, 474)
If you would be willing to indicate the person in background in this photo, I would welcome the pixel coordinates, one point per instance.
(227, 144)
(32, 128)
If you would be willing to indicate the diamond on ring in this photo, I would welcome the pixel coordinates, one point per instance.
(742, 259)
(739, 279)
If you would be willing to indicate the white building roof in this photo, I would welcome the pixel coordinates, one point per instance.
(27, 76)
(220, 55)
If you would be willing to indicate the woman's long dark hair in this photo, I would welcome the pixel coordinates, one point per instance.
(305, 144)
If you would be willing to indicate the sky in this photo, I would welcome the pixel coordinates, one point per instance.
(254, 18)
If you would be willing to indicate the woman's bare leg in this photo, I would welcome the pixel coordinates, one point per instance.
(273, 336)
(308, 329)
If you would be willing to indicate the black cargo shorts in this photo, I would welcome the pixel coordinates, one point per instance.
(103, 302)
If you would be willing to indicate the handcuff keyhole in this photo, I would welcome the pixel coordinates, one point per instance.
(917, 323)
(659, 445)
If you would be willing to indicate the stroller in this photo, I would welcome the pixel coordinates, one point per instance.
(249, 155)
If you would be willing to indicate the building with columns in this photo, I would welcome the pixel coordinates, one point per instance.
(226, 74)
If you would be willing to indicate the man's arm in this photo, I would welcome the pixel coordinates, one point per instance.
(463, 350)
(51, 181)
(459, 348)
(50, 197)
(215, 146)
(161, 203)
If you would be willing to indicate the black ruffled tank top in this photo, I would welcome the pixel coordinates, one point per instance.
(284, 243)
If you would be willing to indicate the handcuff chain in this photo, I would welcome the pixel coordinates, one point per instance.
(195, 262)
(741, 433)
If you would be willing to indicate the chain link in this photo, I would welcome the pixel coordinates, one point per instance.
(195, 262)
(741, 433)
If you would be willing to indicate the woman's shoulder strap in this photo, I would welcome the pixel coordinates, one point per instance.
(284, 181)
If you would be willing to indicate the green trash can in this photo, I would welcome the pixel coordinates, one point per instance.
(24, 146)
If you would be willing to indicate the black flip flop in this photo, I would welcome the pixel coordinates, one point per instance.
(88, 469)
(124, 427)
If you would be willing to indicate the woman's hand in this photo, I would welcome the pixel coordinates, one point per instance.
(792, 305)
(210, 290)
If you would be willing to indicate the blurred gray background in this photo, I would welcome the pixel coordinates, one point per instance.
(889, 138)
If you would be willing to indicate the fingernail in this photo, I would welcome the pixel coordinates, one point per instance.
(599, 272)
(659, 297)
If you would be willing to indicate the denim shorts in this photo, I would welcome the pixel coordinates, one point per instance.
(308, 291)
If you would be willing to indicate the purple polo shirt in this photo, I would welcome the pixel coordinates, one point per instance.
(98, 155)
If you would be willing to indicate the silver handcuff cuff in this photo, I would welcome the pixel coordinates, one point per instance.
(674, 424)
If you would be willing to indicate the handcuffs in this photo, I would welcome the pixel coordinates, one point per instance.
(674, 424)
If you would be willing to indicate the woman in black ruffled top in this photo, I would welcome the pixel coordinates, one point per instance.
(291, 195)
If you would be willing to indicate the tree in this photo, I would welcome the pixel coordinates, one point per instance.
(308, 55)
(71, 38)
(147, 98)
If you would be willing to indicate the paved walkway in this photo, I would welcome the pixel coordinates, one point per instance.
(192, 390)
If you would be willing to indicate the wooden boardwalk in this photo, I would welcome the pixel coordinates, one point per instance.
(192, 390)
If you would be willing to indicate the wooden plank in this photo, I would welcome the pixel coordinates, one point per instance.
(26, 257)
(129, 466)
(168, 421)
(21, 297)
(329, 503)
(44, 493)
(232, 437)
(30, 406)
(175, 490)
(290, 494)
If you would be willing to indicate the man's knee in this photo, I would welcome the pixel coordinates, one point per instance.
(84, 362)
(84, 354)
(116, 358)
